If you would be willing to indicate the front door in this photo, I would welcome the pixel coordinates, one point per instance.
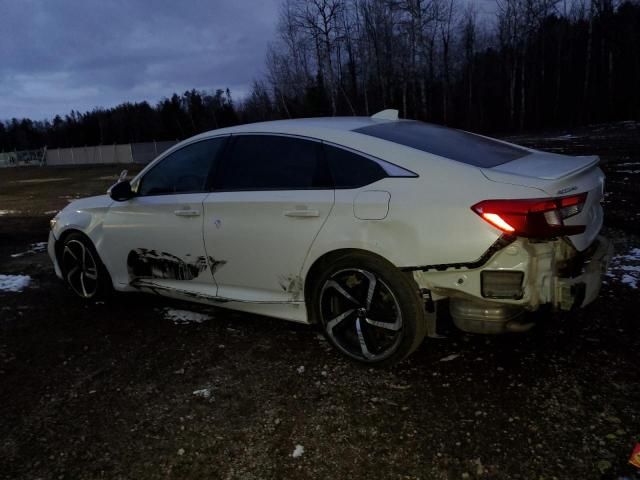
(154, 240)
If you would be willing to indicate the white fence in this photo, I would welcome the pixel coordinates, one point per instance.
(23, 157)
(90, 155)
(147, 151)
(8, 159)
(122, 153)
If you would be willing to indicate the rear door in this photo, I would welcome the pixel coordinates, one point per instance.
(272, 194)
(155, 239)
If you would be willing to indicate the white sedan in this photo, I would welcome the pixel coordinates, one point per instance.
(365, 226)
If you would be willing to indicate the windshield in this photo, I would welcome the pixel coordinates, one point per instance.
(456, 145)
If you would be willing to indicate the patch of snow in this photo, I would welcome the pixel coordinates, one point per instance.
(51, 212)
(449, 357)
(629, 280)
(626, 268)
(7, 212)
(300, 369)
(203, 393)
(628, 171)
(182, 317)
(568, 136)
(33, 248)
(630, 268)
(14, 283)
(298, 451)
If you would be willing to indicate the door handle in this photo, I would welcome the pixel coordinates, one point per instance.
(302, 213)
(187, 213)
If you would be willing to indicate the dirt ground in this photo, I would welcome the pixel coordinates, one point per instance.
(107, 390)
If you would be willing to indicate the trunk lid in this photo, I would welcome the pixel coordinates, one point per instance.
(546, 166)
(558, 176)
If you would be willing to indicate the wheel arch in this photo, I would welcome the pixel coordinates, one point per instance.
(65, 234)
(403, 288)
(71, 231)
(323, 262)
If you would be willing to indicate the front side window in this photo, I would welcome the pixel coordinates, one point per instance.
(270, 162)
(184, 171)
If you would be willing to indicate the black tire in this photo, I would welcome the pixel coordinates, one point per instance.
(82, 269)
(379, 325)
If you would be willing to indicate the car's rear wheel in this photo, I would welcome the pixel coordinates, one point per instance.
(82, 269)
(368, 309)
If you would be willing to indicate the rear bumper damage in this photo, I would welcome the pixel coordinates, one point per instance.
(522, 275)
(582, 279)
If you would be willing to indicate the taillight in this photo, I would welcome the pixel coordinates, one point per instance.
(533, 218)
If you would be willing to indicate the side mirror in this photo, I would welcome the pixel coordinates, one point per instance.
(121, 191)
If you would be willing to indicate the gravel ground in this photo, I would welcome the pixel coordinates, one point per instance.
(145, 387)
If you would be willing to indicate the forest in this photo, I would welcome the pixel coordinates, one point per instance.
(529, 65)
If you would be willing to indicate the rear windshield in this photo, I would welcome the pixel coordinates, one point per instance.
(449, 143)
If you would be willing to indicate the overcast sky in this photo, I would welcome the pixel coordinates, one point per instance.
(58, 55)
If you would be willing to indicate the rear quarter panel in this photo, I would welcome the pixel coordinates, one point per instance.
(430, 220)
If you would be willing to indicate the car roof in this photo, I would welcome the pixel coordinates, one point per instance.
(300, 126)
(341, 131)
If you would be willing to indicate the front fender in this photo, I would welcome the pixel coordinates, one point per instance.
(85, 215)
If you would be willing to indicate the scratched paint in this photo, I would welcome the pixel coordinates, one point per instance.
(216, 264)
(156, 288)
(146, 263)
(291, 284)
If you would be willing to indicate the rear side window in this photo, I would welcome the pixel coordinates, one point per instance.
(184, 171)
(446, 142)
(350, 170)
(269, 162)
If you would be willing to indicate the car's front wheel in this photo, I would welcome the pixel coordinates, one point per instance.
(368, 309)
(82, 269)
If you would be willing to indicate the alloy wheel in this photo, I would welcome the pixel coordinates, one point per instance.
(80, 268)
(361, 314)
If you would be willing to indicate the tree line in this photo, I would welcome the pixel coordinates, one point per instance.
(174, 118)
(536, 63)
(530, 64)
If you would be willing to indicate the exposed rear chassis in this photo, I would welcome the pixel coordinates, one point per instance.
(555, 274)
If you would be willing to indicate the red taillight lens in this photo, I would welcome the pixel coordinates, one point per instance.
(533, 218)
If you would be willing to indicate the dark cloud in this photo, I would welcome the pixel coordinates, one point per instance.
(64, 54)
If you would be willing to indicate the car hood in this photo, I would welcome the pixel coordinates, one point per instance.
(99, 201)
